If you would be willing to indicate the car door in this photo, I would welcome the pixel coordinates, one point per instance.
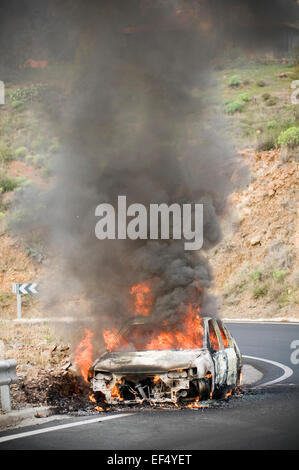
(218, 354)
(232, 360)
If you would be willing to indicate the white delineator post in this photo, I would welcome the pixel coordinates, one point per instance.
(15, 289)
(19, 289)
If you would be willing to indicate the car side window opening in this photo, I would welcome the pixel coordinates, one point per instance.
(213, 337)
(223, 335)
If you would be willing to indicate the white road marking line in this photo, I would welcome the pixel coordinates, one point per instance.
(61, 426)
(263, 322)
(288, 372)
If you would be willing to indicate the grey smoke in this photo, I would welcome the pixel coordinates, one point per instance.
(133, 127)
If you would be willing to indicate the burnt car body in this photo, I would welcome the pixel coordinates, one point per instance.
(161, 376)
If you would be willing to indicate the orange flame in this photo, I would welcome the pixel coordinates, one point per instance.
(214, 340)
(189, 338)
(143, 299)
(92, 398)
(83, 354)
(99, 408)
(187, 335)
(115, 392)
(111, 338)
(195, 404)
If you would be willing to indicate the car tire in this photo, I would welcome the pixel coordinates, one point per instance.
(204, 389)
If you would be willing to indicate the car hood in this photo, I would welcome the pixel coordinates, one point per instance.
(147, 361)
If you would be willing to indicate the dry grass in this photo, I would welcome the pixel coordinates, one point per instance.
(15, 266)
(29, 344)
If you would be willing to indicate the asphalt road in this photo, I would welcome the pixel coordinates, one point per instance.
(263, 418)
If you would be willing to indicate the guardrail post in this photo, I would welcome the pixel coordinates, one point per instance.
(7, 376)
(5, 398)
(4, 389)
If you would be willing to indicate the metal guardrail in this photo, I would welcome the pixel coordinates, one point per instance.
(7, 376)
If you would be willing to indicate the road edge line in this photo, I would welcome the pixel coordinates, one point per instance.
(288, 372)
(35, 432)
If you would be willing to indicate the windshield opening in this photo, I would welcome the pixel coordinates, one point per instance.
(148, 337)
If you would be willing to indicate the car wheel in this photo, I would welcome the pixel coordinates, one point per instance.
(204, 389)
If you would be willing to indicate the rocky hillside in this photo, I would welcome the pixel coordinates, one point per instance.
(256, 265)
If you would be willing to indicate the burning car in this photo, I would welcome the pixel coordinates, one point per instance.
(141, 364)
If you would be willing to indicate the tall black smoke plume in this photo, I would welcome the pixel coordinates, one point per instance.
(134, 126)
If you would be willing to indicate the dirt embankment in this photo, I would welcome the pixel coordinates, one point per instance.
(255, 266)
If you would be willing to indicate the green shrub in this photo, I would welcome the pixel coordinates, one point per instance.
(266, 96)
(261, 83)
(248, 131)
(246, 97)
(268, 139)
(21, 152)
(6, 154)
(232, 107)
(234, 81)
(265, 145)
(35, 160)
(33, 92)
(272, 124)
(279, 275)
(17, 104)
(7, 183)
(272, 101)
(23, 182)
(290, 137)
(260, 291)
(256, 275)
(289, 297)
